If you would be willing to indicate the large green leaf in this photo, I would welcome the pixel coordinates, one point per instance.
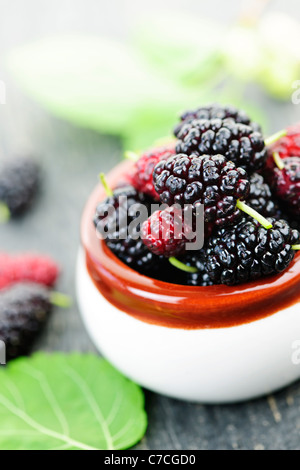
(157, 120)
(106, 86)
(181, 46)
(260, 54)
(281, 66)
(74, 402)
(93, 82)
(149, 128)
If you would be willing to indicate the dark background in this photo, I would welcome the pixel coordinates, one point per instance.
(71, 159)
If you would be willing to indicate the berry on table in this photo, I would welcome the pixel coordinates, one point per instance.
(24, 309)
(19, 181)
(248, 251)
(27, 268)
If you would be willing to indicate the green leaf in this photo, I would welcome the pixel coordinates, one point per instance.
(242, 50)
(281, 66)
(182, 47)
(157, 119)
(70, 402)
(111, 88)
(150, 127)
(92, 82)
(267, 53)
(4, 213)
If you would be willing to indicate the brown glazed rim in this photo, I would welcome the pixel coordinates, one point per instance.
(177, 306)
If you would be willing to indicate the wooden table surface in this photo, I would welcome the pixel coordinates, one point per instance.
(71, 159)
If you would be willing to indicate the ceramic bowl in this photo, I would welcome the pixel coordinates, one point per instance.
(214, 344)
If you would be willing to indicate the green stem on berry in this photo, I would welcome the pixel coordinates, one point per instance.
(278, 161)
(104, 182)
(296, 247)
(129, 155)
(273, 138)
(4, 213)
(60, 300)
(183, 267)
(254, 214)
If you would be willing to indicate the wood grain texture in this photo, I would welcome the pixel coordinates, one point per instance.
(71, 159)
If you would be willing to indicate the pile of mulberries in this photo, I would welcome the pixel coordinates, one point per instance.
(220, 168)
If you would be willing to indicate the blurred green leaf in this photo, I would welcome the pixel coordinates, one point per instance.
(68, 402)
(280, 35)
(242, 53)
(267, 54)
(150, 127)
(93, 82)
(181, 47)
(156, 119)
(109, 87)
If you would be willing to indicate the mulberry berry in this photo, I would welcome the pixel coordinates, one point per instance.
(141, 178)
(288, 145)
(24, 309)
(261, 198)
(208, 180)
(248, 251)
(27, 268)
(19, 181)
(216, 111)
(285, 183)
(237, 142)
(200, 278)
(112, 220)
(163, 232)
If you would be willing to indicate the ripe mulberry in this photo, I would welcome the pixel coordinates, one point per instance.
(19, 181)
(209, 180)
(112, 220)
(248, 251)
(216, 111)
(237, 142)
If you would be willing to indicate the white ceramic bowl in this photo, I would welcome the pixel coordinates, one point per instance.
(204, 365)
(240, 361)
